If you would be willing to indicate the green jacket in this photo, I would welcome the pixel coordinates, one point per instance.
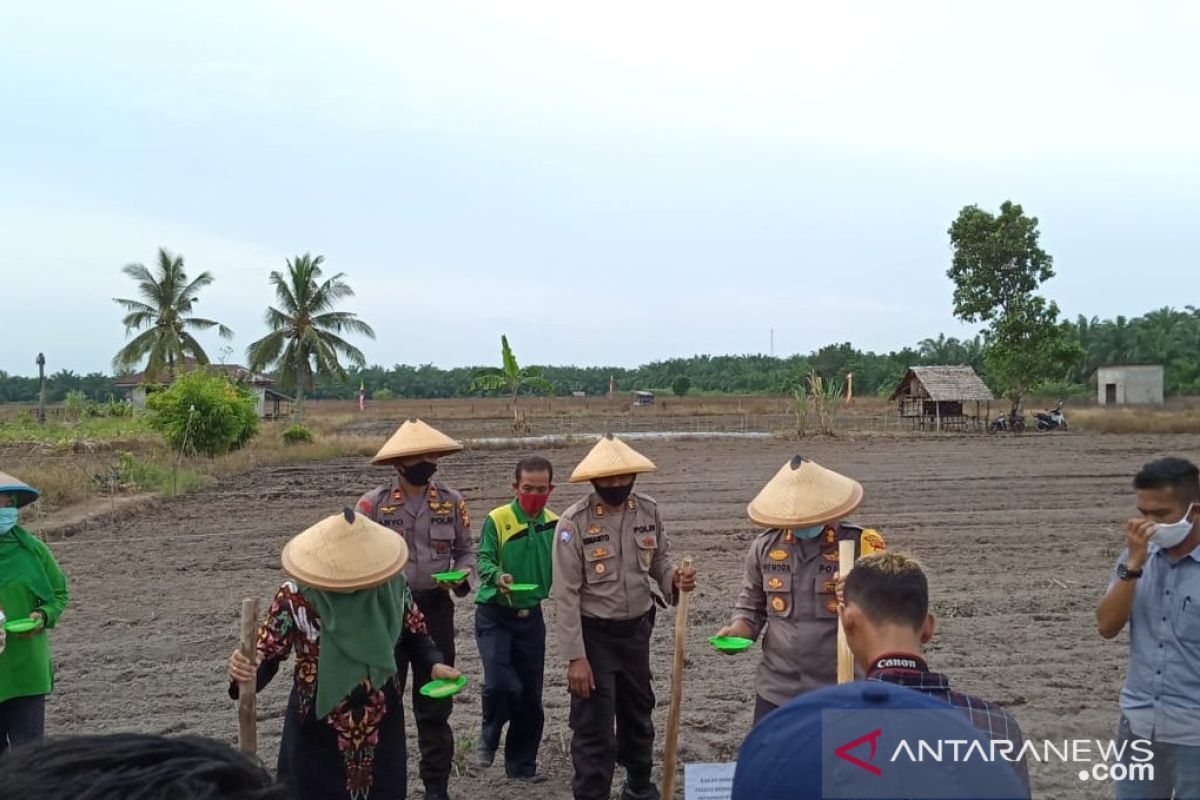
(25, 668)
(511, 543)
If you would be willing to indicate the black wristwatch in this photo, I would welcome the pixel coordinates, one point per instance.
(1127, 574)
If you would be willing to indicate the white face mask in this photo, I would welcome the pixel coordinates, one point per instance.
(1171, 534)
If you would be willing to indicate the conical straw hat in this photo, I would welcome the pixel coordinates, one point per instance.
(25, 493)
(609, 457)
(415, 438)
(345, 552)
(803, 494)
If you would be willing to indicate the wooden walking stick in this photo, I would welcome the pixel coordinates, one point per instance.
(681, 613)
(845, 658)
(247, 690)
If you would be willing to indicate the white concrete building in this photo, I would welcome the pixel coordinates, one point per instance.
(1129, 385)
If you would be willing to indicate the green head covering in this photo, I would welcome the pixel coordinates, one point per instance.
(359, 633)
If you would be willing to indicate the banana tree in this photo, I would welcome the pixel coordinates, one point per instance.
(511, 377)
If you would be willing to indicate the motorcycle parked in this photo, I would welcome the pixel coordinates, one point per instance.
(1054, 420)
(1013, 422)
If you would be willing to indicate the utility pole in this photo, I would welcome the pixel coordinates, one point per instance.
(41, 365)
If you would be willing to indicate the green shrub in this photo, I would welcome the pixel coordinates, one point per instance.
(76, 404)
(297, 433)
(382, 393)
(203, 413)
(681, 385)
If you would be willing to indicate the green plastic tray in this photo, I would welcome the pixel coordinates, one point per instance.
(730, 644)
(443, 688)
(455, 575)
(522, 587)
(24, 625)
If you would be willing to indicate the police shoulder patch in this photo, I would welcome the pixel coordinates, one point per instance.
(565, 534)
(870, 541)
(364, 505)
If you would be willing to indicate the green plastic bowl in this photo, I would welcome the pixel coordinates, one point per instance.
(730, 644)
(24, 625)
(455, 575)
(442, 688)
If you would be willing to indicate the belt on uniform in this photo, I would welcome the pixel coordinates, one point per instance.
(519, 613)
(620, 627)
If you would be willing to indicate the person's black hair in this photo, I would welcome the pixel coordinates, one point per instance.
(1178, 474)
(133, 766)
(533, 464)
(890, 588)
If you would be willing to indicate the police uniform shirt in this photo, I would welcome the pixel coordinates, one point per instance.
(788, 587)
(605, 563)
(437, 530)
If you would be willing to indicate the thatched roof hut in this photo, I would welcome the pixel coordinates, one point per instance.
(935, 396)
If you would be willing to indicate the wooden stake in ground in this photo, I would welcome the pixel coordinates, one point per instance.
(845, 658)
(247, 690)
(681, 613)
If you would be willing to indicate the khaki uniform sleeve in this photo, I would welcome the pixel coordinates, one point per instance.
(565, 586)
(369, 503)
(751, 605)
(463, 549)
(661, 569)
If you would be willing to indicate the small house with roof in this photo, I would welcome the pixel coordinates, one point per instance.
(940, 398)
(272, 404)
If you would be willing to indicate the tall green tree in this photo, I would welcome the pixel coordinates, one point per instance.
(305, 341)
(511, 377)
(167, 298)
(997, 269)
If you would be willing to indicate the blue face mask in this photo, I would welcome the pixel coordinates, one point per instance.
(808, 533)
(8, 518)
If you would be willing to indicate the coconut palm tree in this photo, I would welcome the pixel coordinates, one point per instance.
(167, 298)
(305, 340)
(510, 376)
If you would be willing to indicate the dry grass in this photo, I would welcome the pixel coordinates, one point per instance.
(1167, 419)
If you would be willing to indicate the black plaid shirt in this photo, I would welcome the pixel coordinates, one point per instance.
(912, 671)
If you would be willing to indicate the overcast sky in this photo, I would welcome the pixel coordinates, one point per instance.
(610, 184)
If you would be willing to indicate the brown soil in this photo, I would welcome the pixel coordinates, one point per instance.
(1018, 535)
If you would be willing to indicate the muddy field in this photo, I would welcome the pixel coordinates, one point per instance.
(1018, 536)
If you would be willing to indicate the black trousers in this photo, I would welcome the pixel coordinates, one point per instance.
(513, 650)
(619, 655)
(22, 719)
(762, 708)
(434, 737)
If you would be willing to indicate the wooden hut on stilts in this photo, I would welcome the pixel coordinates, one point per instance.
(939, 398)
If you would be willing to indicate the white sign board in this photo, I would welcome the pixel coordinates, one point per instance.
(708, 781)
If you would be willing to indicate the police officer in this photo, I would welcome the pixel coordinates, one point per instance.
(434, 521)
(788, 586)
(610, 555)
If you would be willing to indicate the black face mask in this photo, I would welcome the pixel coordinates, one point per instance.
(418, 474)
(614, 495)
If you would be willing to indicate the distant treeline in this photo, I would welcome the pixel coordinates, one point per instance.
(1166, 336)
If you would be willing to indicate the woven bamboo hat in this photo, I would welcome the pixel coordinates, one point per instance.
(345, 552)
(415, 438)
(802, 494)
(611, 456)
(25, 493)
